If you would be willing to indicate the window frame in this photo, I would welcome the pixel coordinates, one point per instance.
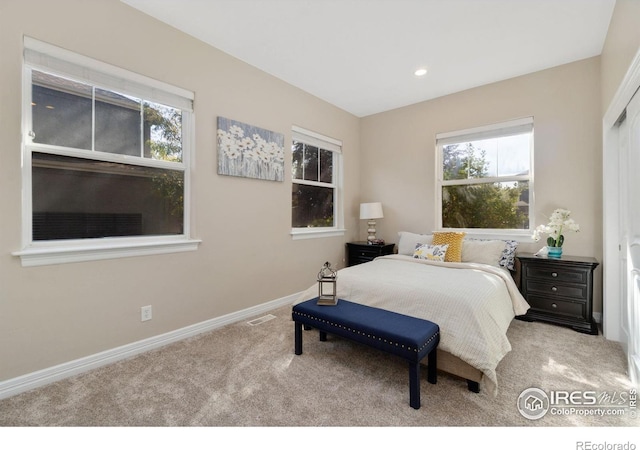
(57, 61)
(484, 132)
(322, 142)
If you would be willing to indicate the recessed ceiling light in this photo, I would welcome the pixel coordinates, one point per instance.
(420, 72)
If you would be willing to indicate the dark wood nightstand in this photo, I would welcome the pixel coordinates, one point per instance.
(361, 252)
(559, 290)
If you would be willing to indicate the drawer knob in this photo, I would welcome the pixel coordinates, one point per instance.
(554, 274)
(554, 289)
(553, 305)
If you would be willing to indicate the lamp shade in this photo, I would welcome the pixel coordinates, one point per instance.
(371, 210)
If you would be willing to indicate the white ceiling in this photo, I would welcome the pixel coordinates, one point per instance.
(360, 55)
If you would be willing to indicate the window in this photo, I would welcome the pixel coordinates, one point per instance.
(316, 181)
(485, 181)
(106, 157)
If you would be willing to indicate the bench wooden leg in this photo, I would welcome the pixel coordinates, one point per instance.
(414, 384)
(298, 338)
(323, 335)
(432, 368)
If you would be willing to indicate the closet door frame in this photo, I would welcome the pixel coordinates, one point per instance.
(613, 276)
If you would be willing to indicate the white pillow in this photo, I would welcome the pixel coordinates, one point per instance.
(483, 252)
(407, 242)
(431, 252)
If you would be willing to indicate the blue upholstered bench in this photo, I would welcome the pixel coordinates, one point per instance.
(405, 336)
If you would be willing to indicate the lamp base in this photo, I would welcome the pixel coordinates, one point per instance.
(371, 230)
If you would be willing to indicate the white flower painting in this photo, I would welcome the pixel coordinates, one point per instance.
(248, 151)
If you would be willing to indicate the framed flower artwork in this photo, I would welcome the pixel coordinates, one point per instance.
(249, 151)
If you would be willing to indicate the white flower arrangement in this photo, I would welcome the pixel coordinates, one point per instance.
(558, 222)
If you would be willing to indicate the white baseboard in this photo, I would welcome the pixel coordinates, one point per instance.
(46, 376)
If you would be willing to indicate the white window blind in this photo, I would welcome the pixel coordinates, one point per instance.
(315, 139)
(46, 56)
(510, 128)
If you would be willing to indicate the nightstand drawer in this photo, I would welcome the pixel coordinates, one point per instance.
(578, 291)
(365, 252)
(574, 310)
(555, 274)
(362, 252)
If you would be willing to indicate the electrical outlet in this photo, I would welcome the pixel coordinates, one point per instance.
(145, 313)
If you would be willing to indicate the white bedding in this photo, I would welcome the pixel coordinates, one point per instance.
(472, 303)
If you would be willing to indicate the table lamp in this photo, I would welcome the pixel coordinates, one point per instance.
(371, 212)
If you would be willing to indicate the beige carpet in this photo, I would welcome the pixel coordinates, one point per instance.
(243, 375)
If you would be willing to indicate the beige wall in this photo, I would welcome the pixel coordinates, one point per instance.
(398, 151)
(54, 314)
(621, 46)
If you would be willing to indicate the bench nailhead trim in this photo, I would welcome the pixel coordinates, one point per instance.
(354, 331)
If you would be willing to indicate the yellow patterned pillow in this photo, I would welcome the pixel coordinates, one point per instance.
(454, 240)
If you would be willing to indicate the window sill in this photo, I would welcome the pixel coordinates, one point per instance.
(311, 233)
(41, 254)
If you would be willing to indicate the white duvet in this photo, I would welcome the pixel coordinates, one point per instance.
(472, 303)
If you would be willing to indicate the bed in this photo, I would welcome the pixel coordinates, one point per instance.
(473, 301)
